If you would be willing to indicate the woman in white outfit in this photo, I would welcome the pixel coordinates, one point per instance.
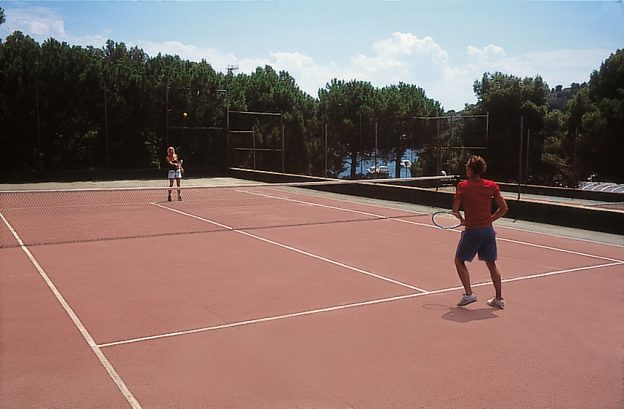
(175, 170)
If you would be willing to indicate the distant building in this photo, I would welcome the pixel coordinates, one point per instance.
(558, 97)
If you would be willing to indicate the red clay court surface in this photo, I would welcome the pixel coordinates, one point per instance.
(294, 302)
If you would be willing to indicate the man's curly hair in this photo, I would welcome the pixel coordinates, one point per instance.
(477, 164)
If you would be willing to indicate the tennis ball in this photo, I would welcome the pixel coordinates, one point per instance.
(185, 114)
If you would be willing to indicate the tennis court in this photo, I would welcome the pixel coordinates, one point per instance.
(282, 296)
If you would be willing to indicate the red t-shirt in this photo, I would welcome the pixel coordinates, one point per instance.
(476, 197)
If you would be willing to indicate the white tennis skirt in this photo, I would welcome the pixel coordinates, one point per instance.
(175, 174)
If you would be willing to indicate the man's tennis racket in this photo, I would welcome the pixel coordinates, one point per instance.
(445, 220)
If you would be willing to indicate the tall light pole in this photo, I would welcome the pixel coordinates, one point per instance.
(167, 114)
(360, 150)
(39, 149)
(105, 95)
(227, 124)
(326, 124)
(376, 138)
(106, 125)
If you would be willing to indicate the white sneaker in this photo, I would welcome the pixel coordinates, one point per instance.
(494, 302)
(466, 299)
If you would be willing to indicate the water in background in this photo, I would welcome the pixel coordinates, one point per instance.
(367, 161)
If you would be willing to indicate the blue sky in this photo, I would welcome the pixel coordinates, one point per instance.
(442, 46)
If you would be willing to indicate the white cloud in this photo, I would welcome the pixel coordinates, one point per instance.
(96, 40)
(39, 22)
(485, 53)
(217, 59)
(184, 51)
(378, 70)
(42, 23)
(407, 44)
(404, 57)
(557, 67)
(309, 75)
(401, 57)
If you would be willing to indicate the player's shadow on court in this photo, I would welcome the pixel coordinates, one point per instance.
(461, 314)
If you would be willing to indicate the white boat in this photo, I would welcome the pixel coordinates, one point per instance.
(378, 172)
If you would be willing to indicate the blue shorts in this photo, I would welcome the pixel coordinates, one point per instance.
(480, 241)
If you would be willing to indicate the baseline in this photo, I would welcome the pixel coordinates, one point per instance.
(347, 306)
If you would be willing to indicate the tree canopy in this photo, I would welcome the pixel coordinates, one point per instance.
(65, 107)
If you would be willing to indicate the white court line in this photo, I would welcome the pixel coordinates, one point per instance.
(342, 307)
(524, 243)
(305, 253)
(553, 273)
(72, 315)
(420, 213)
(378, 216)
(192, 216)
(124, 389)
(561, 236)
(577, 253)
(432, 226)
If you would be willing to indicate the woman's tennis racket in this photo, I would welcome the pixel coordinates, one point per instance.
(180, 166)
(445, 220)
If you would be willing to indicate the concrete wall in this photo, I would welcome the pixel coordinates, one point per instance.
(563, 192)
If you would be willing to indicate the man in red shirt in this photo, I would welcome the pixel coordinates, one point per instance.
(478, 237)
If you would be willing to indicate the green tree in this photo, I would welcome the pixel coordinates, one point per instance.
(343, 107)
(19, 104)
(508, 99)
(596, 123)
(267, 91)
(556, 162)
(603, 121)
(399, 104)
(67, 88)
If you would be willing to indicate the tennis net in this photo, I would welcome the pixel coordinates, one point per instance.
(38, 217)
